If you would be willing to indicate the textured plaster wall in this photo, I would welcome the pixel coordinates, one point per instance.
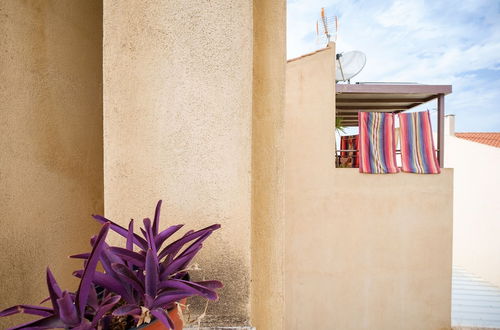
(476, 218)
(178, 127)
(362, 251)
(51, 146)
(268, 227)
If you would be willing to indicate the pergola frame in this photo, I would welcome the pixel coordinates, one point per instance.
(394, 98)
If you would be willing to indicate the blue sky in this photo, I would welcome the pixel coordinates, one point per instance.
(429, 42)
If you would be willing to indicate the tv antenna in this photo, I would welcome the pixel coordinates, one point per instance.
(349, 64)
(326, 28)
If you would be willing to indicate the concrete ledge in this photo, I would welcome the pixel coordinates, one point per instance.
(220, 328)
(473, 328)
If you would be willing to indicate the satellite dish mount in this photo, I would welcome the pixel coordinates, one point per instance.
(349, 64)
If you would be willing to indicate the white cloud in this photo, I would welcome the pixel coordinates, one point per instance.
(442, 42)
(404, 14)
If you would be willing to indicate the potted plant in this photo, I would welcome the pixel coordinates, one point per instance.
(142, 283)
(80, 310)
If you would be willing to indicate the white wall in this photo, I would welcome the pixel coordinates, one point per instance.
(476, 220)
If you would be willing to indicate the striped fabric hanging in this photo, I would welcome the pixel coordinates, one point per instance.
(350, 142)
(377, 146)
(418, 154)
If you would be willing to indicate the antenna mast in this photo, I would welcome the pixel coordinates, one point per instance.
(326, 28)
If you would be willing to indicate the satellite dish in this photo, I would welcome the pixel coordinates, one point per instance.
(349, 64)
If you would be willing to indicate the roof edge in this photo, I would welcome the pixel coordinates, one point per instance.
(393, 88)
(308, 54)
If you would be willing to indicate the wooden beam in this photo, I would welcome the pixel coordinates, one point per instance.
(392, 89)
(347, 99)
(372, 107)
(440, 135)
(355, 111)
(413, 105)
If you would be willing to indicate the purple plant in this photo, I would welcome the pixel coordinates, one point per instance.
(154, 277)
(82, 310)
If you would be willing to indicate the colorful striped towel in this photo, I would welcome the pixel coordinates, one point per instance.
(350, 142)
(377, 147)
(417, 145)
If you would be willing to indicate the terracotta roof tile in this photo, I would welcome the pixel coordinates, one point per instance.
(491, 139)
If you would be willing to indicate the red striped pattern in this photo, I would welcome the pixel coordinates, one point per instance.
(418, 154)
(350, 142)
(377, 146)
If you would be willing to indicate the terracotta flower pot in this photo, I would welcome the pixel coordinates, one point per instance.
(174, 316)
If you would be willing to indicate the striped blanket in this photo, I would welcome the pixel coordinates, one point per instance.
(349, 142)
(377, 146)
(417, 146)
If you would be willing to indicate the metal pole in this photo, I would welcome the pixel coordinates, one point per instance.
(440, 135)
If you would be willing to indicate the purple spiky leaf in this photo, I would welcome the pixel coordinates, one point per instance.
(149, 235)
(129, 242)
(152, 247)
(84, 325)
(45, 300)
(139, 241)
(177, 265)
(80, 256)
(151, 273)
(107, 258)
(88, 273)
(110, 298)
(140, 276)
(49, 322)
(166, 299)
(130, 236)
(166, 251)
(107, 305)
(93, 300)
(176, 246)
(131, 309)
(156, 220)
(163, 317)
(27, 309)
(145, 235)
(189, 287)
(165, 234)
(67, 310)
(109, 283)
(55, 291)
(129, 276)
(148, 301)
(130, 256)
(169, 286)
(182, 264)
(196, 245)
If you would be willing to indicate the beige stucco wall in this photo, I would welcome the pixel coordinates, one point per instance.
(51, 145)
(178, 125)
(476, 220)
(362, 251)
(268, 223)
